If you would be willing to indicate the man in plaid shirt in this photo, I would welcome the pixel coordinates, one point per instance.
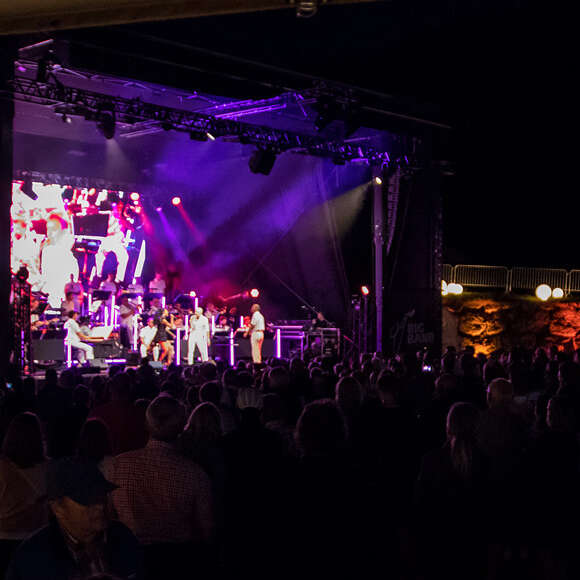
(164, 498)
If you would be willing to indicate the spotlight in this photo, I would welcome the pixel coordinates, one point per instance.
(135, 196)
(456, 289)
(365, 291)
(378, 181)
(193, 294)
(557, 293)
(543, 292)
(176, 200)
(262, 161)
(210, 137)
(158, 209)
(254, 292)
(26, 189)
(66, 119)
(106, 123)
(444, 288)
(138, 209)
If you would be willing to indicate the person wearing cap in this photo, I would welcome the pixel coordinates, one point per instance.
(198, 336)
(79, 541)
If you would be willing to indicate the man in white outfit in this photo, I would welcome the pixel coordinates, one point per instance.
(147, 336)
(74, 336)
(198, 336)
(256, 332)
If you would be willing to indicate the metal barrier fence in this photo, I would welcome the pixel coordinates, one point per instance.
(518, 278)
(482, 276)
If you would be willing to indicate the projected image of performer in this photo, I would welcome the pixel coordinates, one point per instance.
(74, 337)
(114, 242)
(57, 261)
(25, 251)
(199, 336)
(256, 332)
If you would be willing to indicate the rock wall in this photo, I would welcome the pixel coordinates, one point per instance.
(489, 323)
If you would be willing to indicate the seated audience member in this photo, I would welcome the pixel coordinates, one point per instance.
(164, 498)
(22, 484)
(450, 494)
(201, 441)
(79, 540)
(95, 445)
(125, 423)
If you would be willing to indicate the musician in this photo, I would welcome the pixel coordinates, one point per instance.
(198, 336)
(222, 324)
(147, 336)
(320, 322)
(76, 289)
(74, 337)
(127, 312)
(67, 305)
(157, 285)
(164, 335)
(136, 287)
(256, 332)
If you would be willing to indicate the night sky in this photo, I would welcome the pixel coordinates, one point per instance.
(492, 70)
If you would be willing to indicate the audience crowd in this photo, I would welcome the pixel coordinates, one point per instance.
(408, 467)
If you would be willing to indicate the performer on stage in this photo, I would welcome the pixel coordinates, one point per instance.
(76, 289)
(164, 335)
(74, 336)
(127, 313)
(157, 285)
(256, 332)
(198, 336)
(147, 336)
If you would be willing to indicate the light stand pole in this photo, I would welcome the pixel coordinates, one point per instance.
(379, 243)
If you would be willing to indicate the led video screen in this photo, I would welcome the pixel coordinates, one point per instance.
(60, 231)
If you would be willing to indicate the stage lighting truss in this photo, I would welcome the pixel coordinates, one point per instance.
(130, 111)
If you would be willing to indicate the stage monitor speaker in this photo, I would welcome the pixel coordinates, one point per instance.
(156, 364)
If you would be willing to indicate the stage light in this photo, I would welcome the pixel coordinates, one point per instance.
(138, 209)
(193, 294)
(543, 292)
(26, 189)
(378, 181)
(158, 209)
(456, 289)
(365, 291)
(176, 200)
(210, 136)
(254, 292)
(106, 123)
(262, 161)
(66, 119)
(444, 288)
(135, 196)
(557, 293)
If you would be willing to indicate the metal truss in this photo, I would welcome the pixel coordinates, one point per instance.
(91, 104)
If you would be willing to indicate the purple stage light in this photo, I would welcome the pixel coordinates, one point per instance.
(158, 209)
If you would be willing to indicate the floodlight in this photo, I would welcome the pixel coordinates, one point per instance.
(176, 200)
(254, 292)
(557, 293)
(365, 291)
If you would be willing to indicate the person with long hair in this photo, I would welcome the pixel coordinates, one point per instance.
(449, 498)
(23, 507)
(164, 323)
